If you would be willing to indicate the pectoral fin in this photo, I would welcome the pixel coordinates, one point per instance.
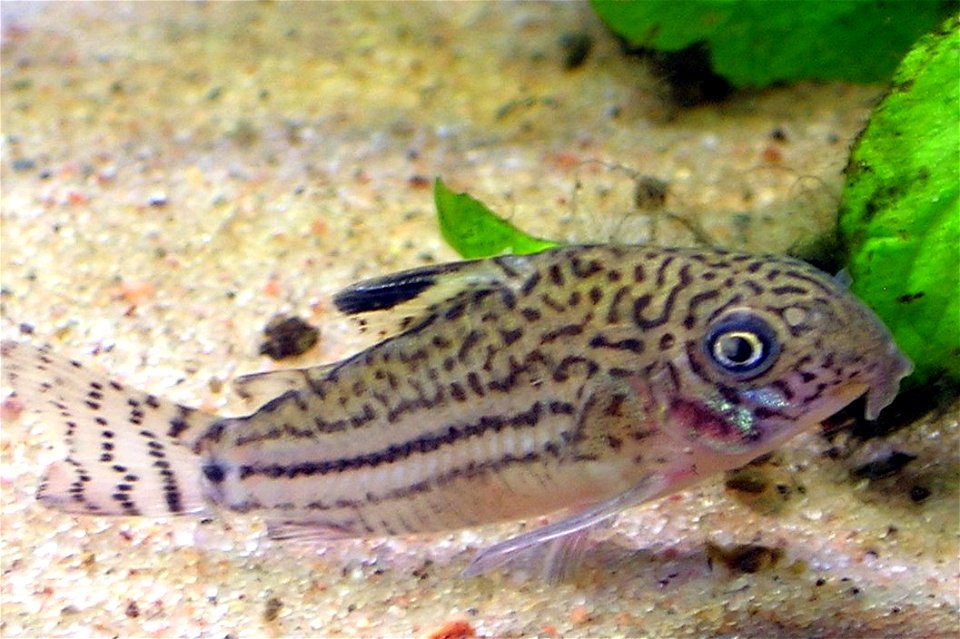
(558, 532)
(305, 531)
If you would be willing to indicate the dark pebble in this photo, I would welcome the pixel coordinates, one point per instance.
(576, 49)
(272, 609)
(884, 467)
(650, 193)
(23, 164)
(919, 493)
(287, 337)
(751, 485)
(419, 181)
(747, 558)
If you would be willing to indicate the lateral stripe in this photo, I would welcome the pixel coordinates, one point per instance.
(451, 435)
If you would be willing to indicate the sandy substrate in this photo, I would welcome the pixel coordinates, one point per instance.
(173, 175)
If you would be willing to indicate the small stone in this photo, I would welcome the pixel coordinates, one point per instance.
(23, 164)
(650, 193)
(158, 199)
(288, 337)
(576, 49)
(11, 408)
(580, 615)
(890, 465)
(751, 485)
(745, 558)
(272, 609)
(456, 629)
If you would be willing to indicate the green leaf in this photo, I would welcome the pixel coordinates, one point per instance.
(900, 211)
(474, 231)
(758, 42)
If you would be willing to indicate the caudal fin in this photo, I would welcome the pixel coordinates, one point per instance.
(128, 452)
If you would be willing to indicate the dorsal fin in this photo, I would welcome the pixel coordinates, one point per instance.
(256, 389)
(389, 305)
(394, 303)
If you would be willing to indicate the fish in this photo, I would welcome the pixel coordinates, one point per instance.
(574, 383)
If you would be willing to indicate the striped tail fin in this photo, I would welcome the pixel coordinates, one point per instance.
(129, 453)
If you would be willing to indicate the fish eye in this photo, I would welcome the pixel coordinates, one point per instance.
(742, 344)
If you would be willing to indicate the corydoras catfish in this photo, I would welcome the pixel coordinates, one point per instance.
(581, 381)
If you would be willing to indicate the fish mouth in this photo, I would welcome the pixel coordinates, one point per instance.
(885, 381)
(839, 399)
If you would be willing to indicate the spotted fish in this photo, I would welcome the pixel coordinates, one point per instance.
(583, 380)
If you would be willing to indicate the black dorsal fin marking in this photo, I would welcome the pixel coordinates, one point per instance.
(393, 304)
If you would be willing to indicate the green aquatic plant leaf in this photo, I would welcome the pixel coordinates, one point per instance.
(758, 42)
(900, 213)
(475, 231)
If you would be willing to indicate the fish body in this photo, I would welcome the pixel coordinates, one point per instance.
(584, 379)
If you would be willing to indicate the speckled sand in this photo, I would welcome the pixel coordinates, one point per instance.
(173, 175)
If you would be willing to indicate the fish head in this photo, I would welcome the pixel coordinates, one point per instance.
(769, 360)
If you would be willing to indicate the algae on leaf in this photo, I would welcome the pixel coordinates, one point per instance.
(475, 231)
(900, 211)
(758, 42)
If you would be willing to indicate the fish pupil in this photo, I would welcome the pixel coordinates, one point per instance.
(742, 344)
(738, 348)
